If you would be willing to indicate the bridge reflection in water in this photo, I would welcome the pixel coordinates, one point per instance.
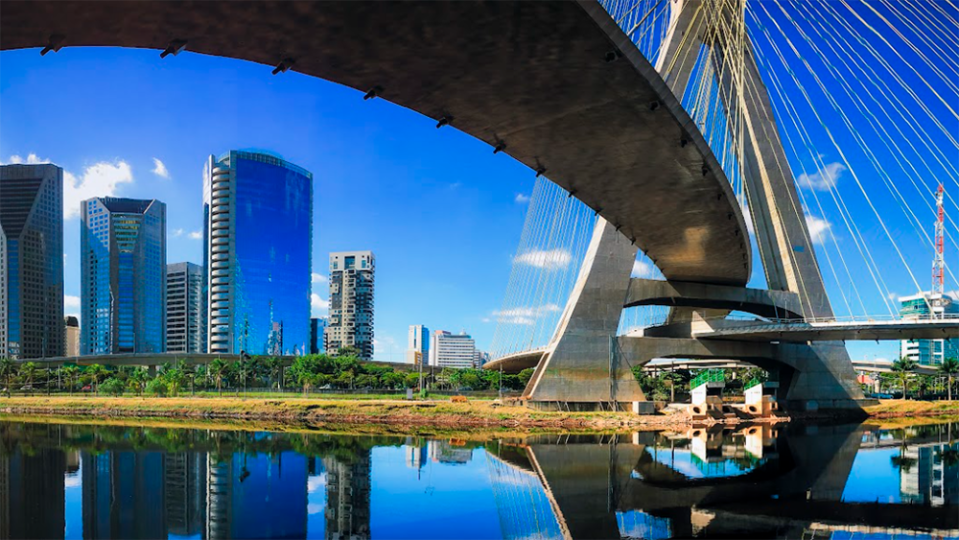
(758, 481)
(749, 481)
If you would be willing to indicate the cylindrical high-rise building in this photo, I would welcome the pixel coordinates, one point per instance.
(258, 231)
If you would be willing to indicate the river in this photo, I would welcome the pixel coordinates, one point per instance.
(78, 480)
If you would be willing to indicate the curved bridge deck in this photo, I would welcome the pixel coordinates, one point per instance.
(531, 75)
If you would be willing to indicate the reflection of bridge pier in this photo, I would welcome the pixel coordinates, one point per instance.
(796, 481)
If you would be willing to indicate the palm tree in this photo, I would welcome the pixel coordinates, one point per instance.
(138, 380)
(27, 372)
(217, 369)
(8, 371)
(903, 369)
(98, 373)
(274, 367)
(950, 368)
(71, 373)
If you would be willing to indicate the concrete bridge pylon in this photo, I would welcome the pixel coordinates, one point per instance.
(587, 365)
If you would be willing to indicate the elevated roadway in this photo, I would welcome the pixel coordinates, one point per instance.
(829, 331)
(556, 85)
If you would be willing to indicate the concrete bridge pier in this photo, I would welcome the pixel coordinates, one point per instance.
(818, 376)
(579, 370)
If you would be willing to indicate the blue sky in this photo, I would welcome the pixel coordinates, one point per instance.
(442, 213)
(438, 209)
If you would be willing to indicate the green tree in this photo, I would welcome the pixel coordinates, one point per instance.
(157, 387)
(138, 380)
(903, 369)
(28, 372)
(217, 370)
(72, 375)
(113, 386)
(174, 378)
(97, 374)
(526, 375)
(274, 367)
(949, 368)
(8, 372)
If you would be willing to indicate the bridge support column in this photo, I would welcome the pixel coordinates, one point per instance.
(580, 368)
(821, 377)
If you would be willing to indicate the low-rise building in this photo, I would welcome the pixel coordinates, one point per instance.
(452, 350)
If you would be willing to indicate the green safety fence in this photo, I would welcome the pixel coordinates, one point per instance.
(708, 376)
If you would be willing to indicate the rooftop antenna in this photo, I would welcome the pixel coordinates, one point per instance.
(939, 261)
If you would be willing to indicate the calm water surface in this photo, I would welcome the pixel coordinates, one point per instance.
(852, 481)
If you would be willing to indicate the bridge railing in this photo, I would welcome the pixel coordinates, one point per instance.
(707, 376)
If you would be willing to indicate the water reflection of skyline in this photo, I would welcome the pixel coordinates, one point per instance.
(750, 481)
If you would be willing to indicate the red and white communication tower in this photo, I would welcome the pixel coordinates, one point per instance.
(939, 261)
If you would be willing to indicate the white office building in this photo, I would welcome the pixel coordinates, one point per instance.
(452, 350)
(418, 344)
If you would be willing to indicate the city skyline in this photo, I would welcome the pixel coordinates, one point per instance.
(354, 147)
(397, 159)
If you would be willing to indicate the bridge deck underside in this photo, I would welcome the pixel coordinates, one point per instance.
(533, 75)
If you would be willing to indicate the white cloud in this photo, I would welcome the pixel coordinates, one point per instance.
(71, 302)
(316, 483)
(819, 229)
(177, 233)
(643, 269)
(159, 169)
(319, 305)
(523, 315)
(98, 180)
(521, 198)
(549, 259)
(893, 297)
(824, 179)
(32, 159)
(318, 278)
(196, 235)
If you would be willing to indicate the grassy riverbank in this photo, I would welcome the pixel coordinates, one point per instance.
(896, 408)
(444, 414)
(381, 412)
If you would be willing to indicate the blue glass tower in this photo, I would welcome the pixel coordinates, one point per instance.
(122, 276)
(258, 228)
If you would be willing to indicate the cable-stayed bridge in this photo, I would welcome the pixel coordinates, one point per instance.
(773, 88)
(703, 134)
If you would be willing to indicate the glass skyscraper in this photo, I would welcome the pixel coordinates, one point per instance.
(31, 261)
(258, 250)
(122, 276)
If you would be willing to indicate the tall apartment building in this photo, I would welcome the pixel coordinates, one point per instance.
(453, 350)
(351, 302)
(258, 229)
(72, 336)
(185, 308)
(929, 352)
(122, 275)
(31, 261)
(418, 345)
